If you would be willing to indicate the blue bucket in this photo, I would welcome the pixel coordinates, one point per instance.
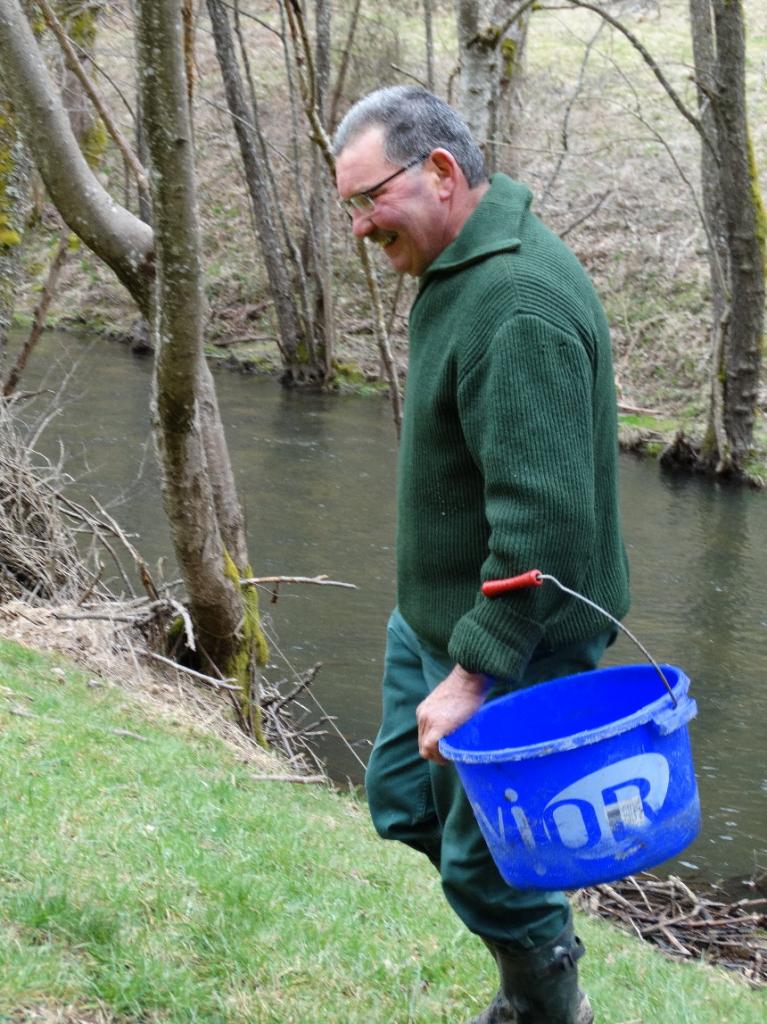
(583, 779)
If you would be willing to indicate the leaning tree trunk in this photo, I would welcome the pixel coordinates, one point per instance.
(112, 232)
(746, 227)
(78, 28)
(211, 562)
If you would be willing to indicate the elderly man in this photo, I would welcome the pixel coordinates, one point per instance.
(507, 461)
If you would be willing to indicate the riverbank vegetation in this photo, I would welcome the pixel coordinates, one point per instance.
(612, 163)
(70, 576)
(148, 875)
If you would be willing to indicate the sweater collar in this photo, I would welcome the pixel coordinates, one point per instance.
(494, 226)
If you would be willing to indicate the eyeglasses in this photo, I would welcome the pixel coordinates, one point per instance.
(365, 201)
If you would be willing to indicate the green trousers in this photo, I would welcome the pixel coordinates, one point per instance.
(423, 804)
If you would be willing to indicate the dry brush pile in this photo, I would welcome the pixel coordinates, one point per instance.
(56, 593)
(39, 558)
(682, 923)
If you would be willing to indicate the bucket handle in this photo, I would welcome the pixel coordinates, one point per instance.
(535, 578)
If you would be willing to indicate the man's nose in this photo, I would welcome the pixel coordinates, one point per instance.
(361, 222)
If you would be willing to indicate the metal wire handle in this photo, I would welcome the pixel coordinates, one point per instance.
(534, 578)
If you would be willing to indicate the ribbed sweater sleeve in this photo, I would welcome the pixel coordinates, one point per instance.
(526, 409)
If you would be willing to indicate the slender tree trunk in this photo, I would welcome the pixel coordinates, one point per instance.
(296, 341)
(343, 68)
(320, 253)
(746, 226)
(198, 486)
(704, 56)
(428, 25)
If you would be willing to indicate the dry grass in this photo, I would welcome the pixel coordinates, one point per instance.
(114, 655)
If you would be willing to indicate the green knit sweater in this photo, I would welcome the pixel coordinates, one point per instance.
(508, 453)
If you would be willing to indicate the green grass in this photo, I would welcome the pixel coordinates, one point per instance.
(158, 880)
(647, 422)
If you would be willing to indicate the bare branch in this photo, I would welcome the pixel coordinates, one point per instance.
(584, 217)
(322, 581)
(222, 684)
(408, 74)
(41, 311)
(307, 779)
(649, 61)
(568, 110)
(513, 18)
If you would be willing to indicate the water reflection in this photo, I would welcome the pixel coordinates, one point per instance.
(316, 475)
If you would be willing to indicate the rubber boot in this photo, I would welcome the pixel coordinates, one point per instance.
(500, 1010)
(541, 985)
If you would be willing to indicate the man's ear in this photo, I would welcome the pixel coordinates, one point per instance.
(448, 173)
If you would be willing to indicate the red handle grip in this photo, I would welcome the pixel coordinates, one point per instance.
(532, 578)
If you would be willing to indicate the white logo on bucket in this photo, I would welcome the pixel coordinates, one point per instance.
(597, 810)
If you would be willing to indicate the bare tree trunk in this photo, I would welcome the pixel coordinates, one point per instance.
(513, 49)
(296, 341)
(320, 136)
(344, 67)
(746, 224)
(320, 256)
(228, 632)
(491, 40)
(715, 446)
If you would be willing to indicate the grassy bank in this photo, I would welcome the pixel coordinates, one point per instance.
(147, 876)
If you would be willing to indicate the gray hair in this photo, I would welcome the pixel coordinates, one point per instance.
(414, 122)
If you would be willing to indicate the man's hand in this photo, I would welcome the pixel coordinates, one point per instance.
(448, 705)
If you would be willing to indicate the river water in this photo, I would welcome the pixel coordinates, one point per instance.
(316, 475)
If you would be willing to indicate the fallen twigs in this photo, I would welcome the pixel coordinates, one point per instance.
(285, 722)
(304, 779)
(682, 923)
(116, 638)
(221, 684)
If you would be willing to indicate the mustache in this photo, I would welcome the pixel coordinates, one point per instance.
(382, 237)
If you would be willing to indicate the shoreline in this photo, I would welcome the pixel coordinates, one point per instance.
(670, 440)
